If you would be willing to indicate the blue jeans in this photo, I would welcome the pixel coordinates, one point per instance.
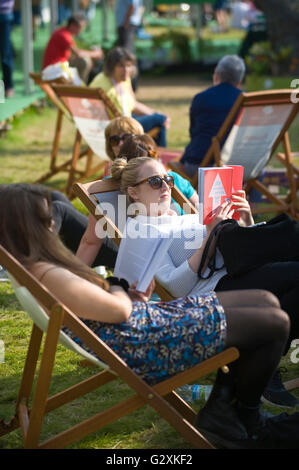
(6, 51)
(150, 121)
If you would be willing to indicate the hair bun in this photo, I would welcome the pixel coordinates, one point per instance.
(117, 168)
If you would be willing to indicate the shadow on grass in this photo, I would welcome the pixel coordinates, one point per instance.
(140, 429)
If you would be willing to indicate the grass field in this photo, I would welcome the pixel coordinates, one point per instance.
(24, 155)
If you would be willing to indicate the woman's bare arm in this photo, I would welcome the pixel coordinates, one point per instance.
(82, 297)
(90, 243)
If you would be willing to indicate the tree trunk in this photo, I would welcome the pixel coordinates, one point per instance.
(282, 18)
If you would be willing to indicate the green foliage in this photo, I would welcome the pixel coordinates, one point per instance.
(180, 43)
(262, 60)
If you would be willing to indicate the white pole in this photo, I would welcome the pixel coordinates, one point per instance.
(27, 55)
(53, 15)
(105, 20)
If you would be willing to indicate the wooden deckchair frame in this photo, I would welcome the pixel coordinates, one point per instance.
(63, 91)
(265, 98)
(70, 166)
(86, 193)
(161, 397)
(62, 111)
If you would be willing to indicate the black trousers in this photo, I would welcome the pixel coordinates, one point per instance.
(280, 278)
(70, 224)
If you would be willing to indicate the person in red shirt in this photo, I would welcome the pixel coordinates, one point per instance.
(61, 47)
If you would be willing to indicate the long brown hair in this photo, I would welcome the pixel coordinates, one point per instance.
(25, 231)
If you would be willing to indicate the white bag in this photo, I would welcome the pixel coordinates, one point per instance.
(59, 70)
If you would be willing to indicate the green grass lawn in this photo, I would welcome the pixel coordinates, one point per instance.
(24, 156)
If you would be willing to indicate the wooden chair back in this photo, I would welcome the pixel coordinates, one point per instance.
(257, 123)
(65, 100)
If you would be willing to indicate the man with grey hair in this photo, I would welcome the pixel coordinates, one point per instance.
(210, 108)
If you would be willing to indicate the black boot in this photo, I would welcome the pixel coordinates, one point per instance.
(276, 394)
(218, 420)
(275, 432)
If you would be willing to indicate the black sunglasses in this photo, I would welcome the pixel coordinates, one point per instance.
(115, 139)
(156, 182)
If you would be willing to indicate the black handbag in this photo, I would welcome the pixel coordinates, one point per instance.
(208, 259)
(246, 248)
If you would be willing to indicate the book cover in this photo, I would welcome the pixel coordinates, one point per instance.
(215, 186)
(237, 183)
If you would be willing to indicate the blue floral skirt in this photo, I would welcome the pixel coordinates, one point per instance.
(162, 339)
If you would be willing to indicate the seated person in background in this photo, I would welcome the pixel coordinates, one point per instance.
(144, 146)
(61, 46)
(139, 180)
(240, 14)
(191, 329)
(117, 133)
(221, 15)
(210, 108)
(115, 80)
(90, 249)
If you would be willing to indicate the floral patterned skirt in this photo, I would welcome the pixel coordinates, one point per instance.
(164, 338)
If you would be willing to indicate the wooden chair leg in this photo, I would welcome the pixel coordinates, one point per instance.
(26, 382)
(72, 172)
(30, 365)
(56, 140)
(32, 428)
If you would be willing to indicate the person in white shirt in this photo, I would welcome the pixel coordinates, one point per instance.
(240, 15)
(128, 15)
(150, 187)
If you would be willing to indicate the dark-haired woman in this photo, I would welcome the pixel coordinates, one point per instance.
(157, 340)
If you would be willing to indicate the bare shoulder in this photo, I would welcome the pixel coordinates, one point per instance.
(42, 269)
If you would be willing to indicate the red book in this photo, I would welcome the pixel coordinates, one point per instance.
(237, 183)
(215, 186)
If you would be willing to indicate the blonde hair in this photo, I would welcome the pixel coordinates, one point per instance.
(118, 126)
(127, 172)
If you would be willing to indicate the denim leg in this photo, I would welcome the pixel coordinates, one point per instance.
(59, 196)
(6, 50)
(150, 121)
